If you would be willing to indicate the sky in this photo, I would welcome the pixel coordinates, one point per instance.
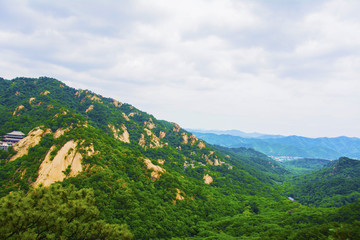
(269, 66)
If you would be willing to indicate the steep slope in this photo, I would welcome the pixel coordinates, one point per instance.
(295, 146)
(263, 167)
(337, 184)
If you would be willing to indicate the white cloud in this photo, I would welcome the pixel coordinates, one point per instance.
(250, 65)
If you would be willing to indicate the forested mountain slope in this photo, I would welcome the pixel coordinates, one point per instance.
(262, 166)
(337, 184)
(304, 165)
(117, 172)
(295, 146)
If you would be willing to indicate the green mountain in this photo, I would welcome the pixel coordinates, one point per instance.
(91, 167)
(304, 165)
(258, 164)
(337, 184)
(295, 146)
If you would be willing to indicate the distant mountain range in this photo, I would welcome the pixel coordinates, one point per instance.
(277, 145)
(238, 133)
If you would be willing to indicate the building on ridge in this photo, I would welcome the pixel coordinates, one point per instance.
(13, 137)
(10, 139)
(4, 146)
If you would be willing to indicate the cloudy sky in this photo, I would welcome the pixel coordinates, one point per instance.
(276, 67)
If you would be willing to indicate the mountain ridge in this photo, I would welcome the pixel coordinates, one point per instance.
(295, 146)
(234, 132)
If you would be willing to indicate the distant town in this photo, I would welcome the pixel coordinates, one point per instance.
(285, 158)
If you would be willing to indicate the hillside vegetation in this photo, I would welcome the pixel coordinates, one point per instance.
(106, 170)
(337, 184)
(304, 165)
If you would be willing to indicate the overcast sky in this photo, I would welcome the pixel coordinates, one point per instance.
(276, 67)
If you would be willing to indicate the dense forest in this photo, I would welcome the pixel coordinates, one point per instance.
(304, 165)
(91, 167)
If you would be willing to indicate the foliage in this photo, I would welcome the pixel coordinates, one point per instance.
(304, 165)
(55, 213)
(335, 185)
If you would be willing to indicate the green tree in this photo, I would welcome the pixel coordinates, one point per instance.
(55, 213)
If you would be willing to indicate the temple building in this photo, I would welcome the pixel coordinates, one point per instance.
(10, 139)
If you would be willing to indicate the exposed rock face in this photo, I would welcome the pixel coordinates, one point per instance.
(47, 131)
(94, 98)
(90, 150)
(142, 141)
(59, 132)
(149, 124)
(193, 139)
(201, 145)
(208, 161)
(17, 110)
(161, 161)
(162, 134)
(156, 170)
(78, 93)
(185, 138)
(126, 117)
(63, 113)
(53, 171)
(117, 103)
(31, 140)
(178, 195)
(155, 141)
(31, 100)
(91, 107)
(124, 137)
(208, 179)
(133, 114)
(176, 127)
(45, 92)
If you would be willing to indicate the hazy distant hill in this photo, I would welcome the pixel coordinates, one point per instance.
(236, 133)
(296, 146)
